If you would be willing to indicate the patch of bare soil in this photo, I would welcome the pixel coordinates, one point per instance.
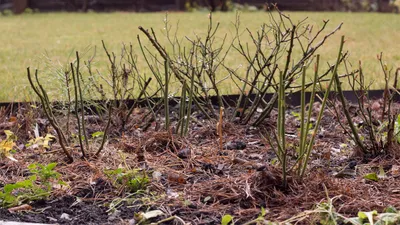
(62, 211)
(194, 179)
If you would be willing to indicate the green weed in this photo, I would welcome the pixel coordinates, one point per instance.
(37, 186)
(131, 180)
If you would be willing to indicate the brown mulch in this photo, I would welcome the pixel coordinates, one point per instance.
(199, 182)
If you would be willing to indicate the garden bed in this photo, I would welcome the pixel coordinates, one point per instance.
(192, 179)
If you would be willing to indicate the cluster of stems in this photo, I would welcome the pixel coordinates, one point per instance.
(380, 129)
(306, 138)
(276, 60)
(80, 107)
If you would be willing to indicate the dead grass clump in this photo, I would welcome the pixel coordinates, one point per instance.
(161, 141)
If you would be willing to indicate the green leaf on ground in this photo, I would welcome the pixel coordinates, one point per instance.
(371, 176)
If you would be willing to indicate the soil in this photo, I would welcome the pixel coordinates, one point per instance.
(195, 180)
(52, 211)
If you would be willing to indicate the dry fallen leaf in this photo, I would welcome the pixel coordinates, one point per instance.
(395, 170)
(177, 178)
(24, 207)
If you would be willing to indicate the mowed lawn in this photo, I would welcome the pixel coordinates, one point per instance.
(33, 40)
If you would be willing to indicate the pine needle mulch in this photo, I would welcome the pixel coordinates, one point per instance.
(195, 180)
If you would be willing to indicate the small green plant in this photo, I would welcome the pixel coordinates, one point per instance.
(46, 173)
(227, 219)
(132, 180)
(20, 192)
(98, 134)
(29, 189)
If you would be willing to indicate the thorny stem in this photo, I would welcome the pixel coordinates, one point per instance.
(78, 78)
(281, 128)
(182, 107)
(142, 92)
(103, 141)
(310, 144)
(174, 70)
(364, 112)
(294, 70)
(303, 127)
(113, 71)
(67, 80)
(344, 104)
(189, 110)
(392, 119)
(220, 127)
(385, 93)
(166, 100)
(310, 104)
(78, 120)
(47, 109)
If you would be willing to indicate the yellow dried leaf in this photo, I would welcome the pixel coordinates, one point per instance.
(10, 135)
(5, 147)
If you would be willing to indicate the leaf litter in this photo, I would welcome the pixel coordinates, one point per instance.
(192, 179)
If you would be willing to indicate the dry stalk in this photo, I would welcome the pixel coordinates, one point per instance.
(219, 127)
(42, 94)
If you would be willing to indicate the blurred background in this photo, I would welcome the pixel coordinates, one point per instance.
(45, 34)
(19, 6)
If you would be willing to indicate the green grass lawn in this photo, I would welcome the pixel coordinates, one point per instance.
(31, 40)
